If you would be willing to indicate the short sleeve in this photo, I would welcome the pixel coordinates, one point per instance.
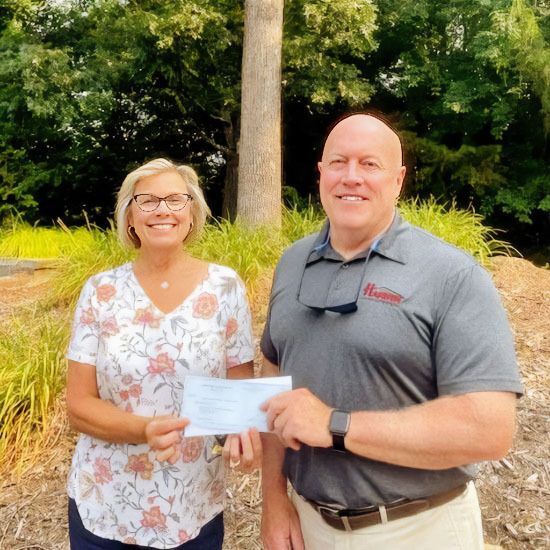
(473, 346)
(85, 329)
(239, 342)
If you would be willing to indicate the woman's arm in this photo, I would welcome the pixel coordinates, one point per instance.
(246, 370)
(90, 414)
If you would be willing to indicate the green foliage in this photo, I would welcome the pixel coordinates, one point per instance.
(473, 89)
(525, 50)
(14, 195)
(323, 40)
(80, 252)
(441, 169)
(248, 252)
(298, 223)
(463, 228)
(32, 367)
(85, 251)
(91, 88)
(535, 195)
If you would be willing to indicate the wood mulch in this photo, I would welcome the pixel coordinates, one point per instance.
(514, 492)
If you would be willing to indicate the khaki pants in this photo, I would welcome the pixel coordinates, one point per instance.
(454, 525)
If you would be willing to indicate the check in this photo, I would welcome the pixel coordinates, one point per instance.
(218, 406)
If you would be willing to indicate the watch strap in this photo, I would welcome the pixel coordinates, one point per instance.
(338, 427)
(338, 443)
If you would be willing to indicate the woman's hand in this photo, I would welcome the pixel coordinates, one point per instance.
(164, 435)
(244, 450)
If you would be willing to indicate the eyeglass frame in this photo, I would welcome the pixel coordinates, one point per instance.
(161, 199)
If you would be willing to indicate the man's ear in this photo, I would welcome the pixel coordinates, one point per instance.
(401, 178)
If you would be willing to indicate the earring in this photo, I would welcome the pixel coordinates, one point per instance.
(189, 231)
(132, 235)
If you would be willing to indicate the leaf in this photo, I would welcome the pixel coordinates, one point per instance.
(158, 386)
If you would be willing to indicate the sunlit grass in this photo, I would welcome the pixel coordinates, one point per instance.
(32, 370)
(462, 228)
(246, 251)
(299, 223)
(21, 240)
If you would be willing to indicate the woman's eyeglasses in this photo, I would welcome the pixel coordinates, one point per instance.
(148, 202)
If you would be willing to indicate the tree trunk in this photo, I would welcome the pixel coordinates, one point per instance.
(259, 188)
(229, 206)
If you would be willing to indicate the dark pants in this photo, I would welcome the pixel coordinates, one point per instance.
(210, 536)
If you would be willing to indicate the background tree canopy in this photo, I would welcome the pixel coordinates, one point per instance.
(91, 88)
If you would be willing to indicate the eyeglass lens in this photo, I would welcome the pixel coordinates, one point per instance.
(148, 203)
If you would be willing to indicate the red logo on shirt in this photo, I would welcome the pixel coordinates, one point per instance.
(382, 294)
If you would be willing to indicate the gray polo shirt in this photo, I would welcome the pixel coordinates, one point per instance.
(428, 323)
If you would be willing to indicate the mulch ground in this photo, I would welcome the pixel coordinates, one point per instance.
(514, 492)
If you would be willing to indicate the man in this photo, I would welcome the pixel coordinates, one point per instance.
(403, 363)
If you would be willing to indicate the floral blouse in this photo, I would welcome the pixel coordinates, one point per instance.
(142, 356)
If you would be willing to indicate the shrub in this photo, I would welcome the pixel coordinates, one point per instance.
(463, 228)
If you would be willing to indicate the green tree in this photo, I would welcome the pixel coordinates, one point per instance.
(90, 88)
(96, 86)
(470, 79)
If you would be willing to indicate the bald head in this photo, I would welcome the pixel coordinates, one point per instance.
(370, 131)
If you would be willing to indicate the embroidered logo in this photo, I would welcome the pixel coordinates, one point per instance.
(382, 294)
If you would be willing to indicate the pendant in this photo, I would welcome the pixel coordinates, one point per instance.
(164, 284)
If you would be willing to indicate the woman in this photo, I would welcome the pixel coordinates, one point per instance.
(138, 330)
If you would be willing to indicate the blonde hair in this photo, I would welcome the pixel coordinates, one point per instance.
(199, 208)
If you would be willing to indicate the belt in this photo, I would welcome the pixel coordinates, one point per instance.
(349, 520)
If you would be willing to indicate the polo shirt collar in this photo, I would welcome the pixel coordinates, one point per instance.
(394, 243)
(388, 245)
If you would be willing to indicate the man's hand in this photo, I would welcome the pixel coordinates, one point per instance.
(298, 417)
(281, 525)
(164, 434)
(244, 450)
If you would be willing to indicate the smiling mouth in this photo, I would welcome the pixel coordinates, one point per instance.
(351, 198)
(162, 226)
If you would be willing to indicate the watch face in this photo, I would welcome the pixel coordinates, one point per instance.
(339, 422)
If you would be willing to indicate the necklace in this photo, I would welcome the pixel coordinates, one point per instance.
(164, 284)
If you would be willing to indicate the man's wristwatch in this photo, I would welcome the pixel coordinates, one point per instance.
(338, 426)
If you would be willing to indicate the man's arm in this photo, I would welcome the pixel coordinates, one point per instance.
(443, 433)
(280, 523)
